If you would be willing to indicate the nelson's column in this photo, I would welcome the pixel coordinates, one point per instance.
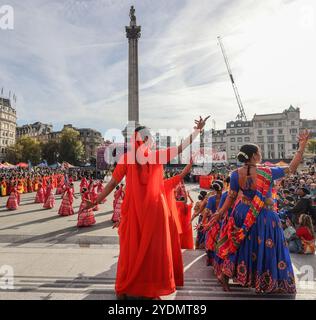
(132, 34)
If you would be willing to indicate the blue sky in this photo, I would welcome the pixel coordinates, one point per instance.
(67, 60)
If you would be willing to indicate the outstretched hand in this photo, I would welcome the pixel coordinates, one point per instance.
(303, 138)
(200, 124)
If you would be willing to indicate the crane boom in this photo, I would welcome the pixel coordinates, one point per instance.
(242, 114)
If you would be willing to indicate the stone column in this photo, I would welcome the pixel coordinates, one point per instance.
(133, 34)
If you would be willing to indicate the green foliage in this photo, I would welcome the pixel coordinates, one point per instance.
(71, 148)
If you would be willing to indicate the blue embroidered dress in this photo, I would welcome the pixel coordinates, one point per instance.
(262, 260)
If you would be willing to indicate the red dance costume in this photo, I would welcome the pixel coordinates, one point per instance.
(66, 207)
(49, 198)
(40, 195)
(85, 216)
(117, 203)
(184, 211)
(175, 229)
(145, 265)
(13, 200)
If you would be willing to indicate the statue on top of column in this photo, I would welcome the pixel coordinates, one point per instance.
(132, 16)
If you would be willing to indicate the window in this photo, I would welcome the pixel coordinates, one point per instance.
(270, 139)
(280, 131)
(280, 123)
(270, 147)
(270, 131)
(260, 132)
(246, 130)
(293, 123)
(232, 131)
(259, 125)
(270, 124)
(260, 139)
(293, 131)
(239, 139)
(239, 131)
(281, 138)
(247, 139)
(232, 139)
(232, 148)
(281, 146)
(294, 146)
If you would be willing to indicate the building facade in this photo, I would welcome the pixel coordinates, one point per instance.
(37, 130)
(238, 133)
(276, 133)
(7, 126)
(219, 140)
(309, 125)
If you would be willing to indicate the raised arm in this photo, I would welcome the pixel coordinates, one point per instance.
(199, 125)
(302, 140)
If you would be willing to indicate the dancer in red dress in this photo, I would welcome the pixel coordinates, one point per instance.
(83, 184)
(145, 266)
(175, 225)
(100, 188)
(40, 195)
(49, 197)
(13, 200)
(184, 211)
(117, 203)
(66, 207)
(85, 215)
(94, 195)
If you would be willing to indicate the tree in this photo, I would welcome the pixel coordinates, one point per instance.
(50, 151)
(311, 146)
(25, 149)
(71, 148)
(14, 154)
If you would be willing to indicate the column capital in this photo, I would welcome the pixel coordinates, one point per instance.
(133, 32)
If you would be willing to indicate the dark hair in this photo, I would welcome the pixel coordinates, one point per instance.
(202, 195)
(144, 132)
(217, 185)
(246, 152)
(227, 180)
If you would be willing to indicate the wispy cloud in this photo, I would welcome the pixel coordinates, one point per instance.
(67, 60)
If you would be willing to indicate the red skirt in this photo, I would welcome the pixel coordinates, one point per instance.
(66, 208)
(50, 202)
(85, 218)
(12, 203)
(40, 197)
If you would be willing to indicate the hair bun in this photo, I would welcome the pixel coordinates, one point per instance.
(242, 157)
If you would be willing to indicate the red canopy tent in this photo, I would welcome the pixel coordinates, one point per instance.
(22, 165)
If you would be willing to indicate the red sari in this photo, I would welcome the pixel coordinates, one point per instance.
(85, 216)
(66, 207)
(13, 200)
(117, 204)
(184, 211)
(175, 229)
(40, 195)
(145, 266)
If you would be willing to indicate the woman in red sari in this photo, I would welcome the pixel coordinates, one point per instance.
(13, 201)
(85, 215)
(40, 195)
(145, 266)
(117, 203)
(49, 197)
(66, 207)
(175, 225)
(184, 212)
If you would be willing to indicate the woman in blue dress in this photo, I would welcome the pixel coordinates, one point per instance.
(212, 205)
(252, 244)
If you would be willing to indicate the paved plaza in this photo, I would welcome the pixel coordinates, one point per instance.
(52, 259)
